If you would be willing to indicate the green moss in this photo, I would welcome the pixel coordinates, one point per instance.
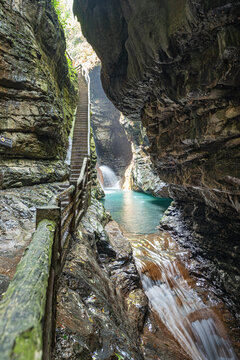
(28, 345)
(62, 13)
(22, 308)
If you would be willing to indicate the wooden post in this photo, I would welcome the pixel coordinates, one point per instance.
(74, 200)
(89, 183)
(51, 213)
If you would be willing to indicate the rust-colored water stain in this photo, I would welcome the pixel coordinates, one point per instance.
(180, 260)
(158, 341)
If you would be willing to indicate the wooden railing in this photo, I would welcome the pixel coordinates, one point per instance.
(71, 204)
(66, 209)
(28, 308)
(85, 74)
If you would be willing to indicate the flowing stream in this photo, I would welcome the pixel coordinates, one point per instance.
(172, 293)
(186, 309)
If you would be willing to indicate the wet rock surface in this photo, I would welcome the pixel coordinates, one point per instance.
(37, 95)
(17, 224)
(145, 178)
(206, 234)
(143, 175)
(101, 306)
(103, 312)
(179, 296)
(175, 67)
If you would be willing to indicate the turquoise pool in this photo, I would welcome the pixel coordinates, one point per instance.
(136, 212)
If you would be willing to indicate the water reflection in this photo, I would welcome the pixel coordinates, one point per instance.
(136, 212)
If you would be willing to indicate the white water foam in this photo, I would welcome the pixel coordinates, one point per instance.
(181, 309)
(110, 180)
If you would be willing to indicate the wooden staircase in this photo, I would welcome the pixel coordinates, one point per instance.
(80, 143)
(81, 131)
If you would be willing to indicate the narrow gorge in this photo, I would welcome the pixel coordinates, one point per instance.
(119, 180)
(175, 67)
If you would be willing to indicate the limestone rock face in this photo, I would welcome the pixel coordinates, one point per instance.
(175, 65)
(112, 145)
(37, 97)
(17, 224)
(144, 176)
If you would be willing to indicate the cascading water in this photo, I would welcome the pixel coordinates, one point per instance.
(109, 178)
(172, 294)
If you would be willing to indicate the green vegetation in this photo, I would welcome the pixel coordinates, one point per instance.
(72, 72)
(78, 40)
(119, 356)
(23, 305)
(62, 12)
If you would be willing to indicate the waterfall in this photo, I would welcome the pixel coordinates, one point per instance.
(69, 151)
(172, 293)
(108, 179)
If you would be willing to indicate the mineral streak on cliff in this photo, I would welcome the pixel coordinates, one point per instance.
(176, 66)
(37, 97)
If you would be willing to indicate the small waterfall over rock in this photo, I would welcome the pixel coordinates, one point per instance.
(173, 295)
(108, 178)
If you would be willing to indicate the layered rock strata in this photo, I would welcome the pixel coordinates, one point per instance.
(175, 66)
(17, 224)
(37, 96)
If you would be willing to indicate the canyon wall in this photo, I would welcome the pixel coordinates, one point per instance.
(37, 94)
(175, 65)
(112, 145)
(121, 143)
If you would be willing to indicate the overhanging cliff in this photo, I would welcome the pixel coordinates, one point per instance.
(176, 66)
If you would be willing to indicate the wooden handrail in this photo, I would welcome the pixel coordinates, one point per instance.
(62, 195)
(83, 171)
(65, 193)
(69, 206)
(56, 224)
